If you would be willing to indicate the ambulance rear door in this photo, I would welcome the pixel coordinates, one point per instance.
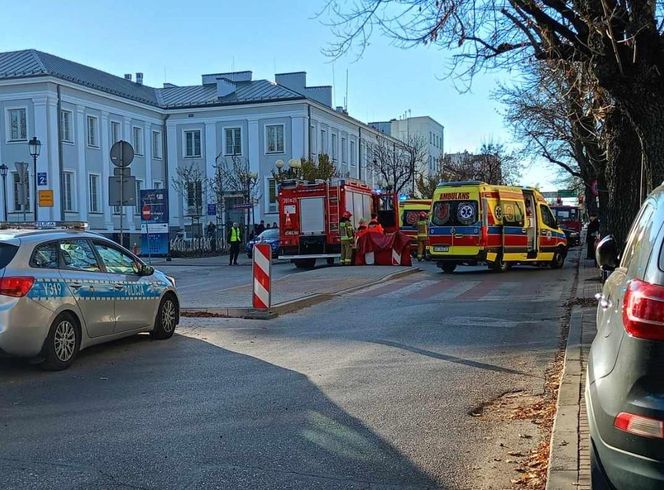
(513, 217)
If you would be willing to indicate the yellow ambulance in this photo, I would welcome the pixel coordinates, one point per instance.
(477, 223)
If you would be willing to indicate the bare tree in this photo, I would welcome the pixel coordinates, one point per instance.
(234, 177)
(618, 43)
(397, 163)
(190, 183)
(493, 165)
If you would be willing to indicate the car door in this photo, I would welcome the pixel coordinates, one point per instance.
(136, 298)
(89, 285)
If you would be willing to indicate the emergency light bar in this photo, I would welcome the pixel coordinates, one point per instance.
(44, 225)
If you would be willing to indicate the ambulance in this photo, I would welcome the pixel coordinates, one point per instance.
(409, 215)
(475, 223)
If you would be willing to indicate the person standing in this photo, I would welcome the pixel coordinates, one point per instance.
(234, 239)
(346, 235)
(374, 225)
(591, 235)
(211, 233)
(260, 228)
(422, 224)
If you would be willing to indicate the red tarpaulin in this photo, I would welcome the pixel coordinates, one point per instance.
(388, 249)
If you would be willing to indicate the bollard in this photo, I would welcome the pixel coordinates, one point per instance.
(261, 268)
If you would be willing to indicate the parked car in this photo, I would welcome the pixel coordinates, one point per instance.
(270, 236)
(63, 290)
(625, 376)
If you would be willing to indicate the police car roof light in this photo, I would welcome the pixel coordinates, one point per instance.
(44, 225)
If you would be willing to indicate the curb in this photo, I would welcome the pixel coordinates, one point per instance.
(563, 469)
(287, 306)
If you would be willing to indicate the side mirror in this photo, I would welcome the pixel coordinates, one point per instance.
(147, 270)
(606, 253)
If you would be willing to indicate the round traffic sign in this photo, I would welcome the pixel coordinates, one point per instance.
(146, 212)
(122, 154)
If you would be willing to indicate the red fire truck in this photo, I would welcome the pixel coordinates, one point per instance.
(309, 213)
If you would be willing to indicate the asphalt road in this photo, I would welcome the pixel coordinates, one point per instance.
(370, 390)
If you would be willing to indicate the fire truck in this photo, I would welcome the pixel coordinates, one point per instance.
(309, 213)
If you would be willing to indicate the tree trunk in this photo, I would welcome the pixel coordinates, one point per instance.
(620, 197)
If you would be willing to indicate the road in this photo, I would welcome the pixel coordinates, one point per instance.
(372, 389)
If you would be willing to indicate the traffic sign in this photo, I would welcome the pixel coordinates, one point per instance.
(122, 154)
(46, 198)
(146, 212)
(122, 191)
(42, 178)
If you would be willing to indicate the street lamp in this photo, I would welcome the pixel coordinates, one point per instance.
(296, 165)
(280, 165)
(4, 169)
(35, 147)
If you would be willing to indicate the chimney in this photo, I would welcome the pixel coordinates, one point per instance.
(139, 78)
(128, 76)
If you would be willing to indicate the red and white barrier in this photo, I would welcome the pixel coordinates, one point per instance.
(262, 268)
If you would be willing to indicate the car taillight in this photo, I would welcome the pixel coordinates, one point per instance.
(640, 426)
(643, 310)
(16, 286)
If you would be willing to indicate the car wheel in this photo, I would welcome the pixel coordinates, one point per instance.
(62, 344)
(305, 263)
(598, 479)
(167, 318)
(558, 260)
(448, 267)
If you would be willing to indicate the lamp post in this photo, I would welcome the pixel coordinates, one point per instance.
(295, 165)
(35, 147)
(280, 165)
(4, 169)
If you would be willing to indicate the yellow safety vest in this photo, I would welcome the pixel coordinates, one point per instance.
(235, 234)
(422, 228)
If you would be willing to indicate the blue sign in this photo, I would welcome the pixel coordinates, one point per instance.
(42, 179)
(154, 232)
(212, 210)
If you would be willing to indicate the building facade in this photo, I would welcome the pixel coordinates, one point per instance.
(78, 112)
(423, 129)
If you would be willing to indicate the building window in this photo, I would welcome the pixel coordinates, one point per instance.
(94, 193)
(344, 150)
(430, 138)
(139, 186)
(137, 140)
(323, 141)
(93, 136)
(192, 143)
(157, 184)
(68, 191)
(18, 124)
(18, 193)
(116, 134)
(66, 128)
(334, 147)
(233, 141)
(274, 138)
(156, 145)
(353, 156)
(195, 197)
(312, 139)
(271, 196)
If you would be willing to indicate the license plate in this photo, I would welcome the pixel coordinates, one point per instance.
(441, 248)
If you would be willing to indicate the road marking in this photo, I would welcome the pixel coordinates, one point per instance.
(455, 291)
(411, 289)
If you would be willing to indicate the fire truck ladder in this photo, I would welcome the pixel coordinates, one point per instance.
(334, 196)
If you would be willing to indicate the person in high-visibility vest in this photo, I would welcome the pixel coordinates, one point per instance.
(235, 239)
(346, 236)
(422, 231)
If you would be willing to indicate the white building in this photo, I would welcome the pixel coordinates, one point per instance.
(423, 128)
(229, 115)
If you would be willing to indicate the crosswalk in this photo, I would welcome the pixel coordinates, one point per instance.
(464, 287)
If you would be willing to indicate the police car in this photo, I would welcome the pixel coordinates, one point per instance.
(63, 289)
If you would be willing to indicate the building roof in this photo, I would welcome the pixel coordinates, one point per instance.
(32, 63)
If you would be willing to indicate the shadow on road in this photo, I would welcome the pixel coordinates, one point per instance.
(183, 413)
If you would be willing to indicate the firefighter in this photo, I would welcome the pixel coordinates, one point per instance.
(421, 235)
(346, 236)
(374, 225)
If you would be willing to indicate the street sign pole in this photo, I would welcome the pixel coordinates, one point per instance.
(121, 197)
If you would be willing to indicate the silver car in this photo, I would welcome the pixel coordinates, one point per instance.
(63, 290)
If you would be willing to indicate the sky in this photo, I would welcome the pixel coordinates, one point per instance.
(177, 42)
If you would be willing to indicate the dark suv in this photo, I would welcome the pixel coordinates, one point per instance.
(625, 378)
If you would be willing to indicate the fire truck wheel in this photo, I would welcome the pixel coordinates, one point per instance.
(448, 267)
(305, 263)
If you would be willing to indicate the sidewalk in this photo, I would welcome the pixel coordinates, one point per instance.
(569, 464)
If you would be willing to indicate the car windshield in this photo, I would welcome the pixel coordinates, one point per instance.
(271, 234)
